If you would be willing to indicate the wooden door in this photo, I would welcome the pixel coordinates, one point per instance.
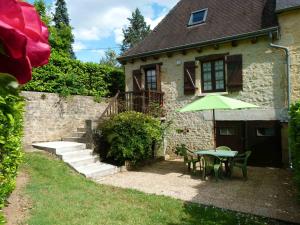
(264, 140)
(231, 134)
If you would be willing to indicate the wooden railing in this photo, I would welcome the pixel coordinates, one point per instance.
(112, 107)
(149, 102)
(142, 101)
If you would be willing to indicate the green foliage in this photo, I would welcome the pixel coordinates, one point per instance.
(42, 8)
(61, 36)
(136, 31)
(110, 58)
(294, 139)
(11, 125)
(131, 136)
(68, 76)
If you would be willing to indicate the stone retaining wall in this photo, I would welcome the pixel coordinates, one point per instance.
(49, 117)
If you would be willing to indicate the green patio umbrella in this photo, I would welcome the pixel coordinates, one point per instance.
(213, 102)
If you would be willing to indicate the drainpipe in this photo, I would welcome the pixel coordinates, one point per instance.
(288, 67)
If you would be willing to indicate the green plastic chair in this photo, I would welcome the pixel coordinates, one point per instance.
(241, 161)
(224, 160)
(188, 156)
(210, 163)
(225, 148)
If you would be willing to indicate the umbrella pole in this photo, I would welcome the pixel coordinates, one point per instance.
(214, 127)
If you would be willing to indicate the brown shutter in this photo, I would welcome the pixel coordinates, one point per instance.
(189, 77)
(137, 80)
(158, 77)
(234, 72)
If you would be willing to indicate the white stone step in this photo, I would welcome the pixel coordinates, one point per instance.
(97, 170)
(77, 162)
(59, 146)
(78, 157)
(67, 156)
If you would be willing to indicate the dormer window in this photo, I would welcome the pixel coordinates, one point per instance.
(198, 17)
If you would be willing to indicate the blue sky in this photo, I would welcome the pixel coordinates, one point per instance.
(97, 24)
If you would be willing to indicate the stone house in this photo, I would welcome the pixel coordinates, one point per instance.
(248, 50)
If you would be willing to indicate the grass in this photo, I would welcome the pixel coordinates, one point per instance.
(60, 196)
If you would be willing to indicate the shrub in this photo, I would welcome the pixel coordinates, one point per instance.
(294, 136)
(131, 136)
(68, 76)
(11, 125)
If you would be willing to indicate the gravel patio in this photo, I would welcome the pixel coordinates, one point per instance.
(268, 191)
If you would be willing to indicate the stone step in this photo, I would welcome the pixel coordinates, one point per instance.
(59, 146)
(81, 129)
(97, 170)
(78, 134)
(79, 158)
(77, 154)
(82, 161)
(75, 139)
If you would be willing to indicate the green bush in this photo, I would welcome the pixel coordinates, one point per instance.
(68, 76)
(11, 126)
(294, 136)
(131, 136)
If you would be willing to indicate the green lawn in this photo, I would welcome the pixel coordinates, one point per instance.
(60, 196)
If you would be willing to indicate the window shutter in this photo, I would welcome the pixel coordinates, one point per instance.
(234, 72)
(137, 80)
(189, 78)
(158, 77)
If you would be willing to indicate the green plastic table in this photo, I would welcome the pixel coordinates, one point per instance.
(217, 153)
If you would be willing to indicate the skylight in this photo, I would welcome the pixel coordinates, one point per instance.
(198, 17)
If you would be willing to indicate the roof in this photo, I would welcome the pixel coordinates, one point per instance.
(225, 18)
(284, 5)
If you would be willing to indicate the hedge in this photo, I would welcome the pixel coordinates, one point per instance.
(11, 126)
(294, 136)
(130, 136)
(68, 76)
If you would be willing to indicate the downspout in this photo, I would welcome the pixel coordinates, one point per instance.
(288, 69)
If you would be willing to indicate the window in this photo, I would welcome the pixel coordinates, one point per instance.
(151, 81)
(213, 76)
(227, 131)
(198, 17)
(265, 132)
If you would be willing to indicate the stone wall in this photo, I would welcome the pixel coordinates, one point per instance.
(290, 37)
(264, 83)
(49, 117)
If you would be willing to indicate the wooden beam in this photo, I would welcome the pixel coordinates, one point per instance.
(234, 43)
(216, 47)
(156, 57)
(254, 40)
(199, 50)
(169, 54)
(144, 59)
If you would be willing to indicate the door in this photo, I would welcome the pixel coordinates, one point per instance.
(263, 138)
(231, 134)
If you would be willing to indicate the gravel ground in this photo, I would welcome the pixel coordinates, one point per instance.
(268, 192)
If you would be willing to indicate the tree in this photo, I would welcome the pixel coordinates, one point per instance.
(62, 37)
(42, 9)
(110, 58)
(61, 14)
(136, 31)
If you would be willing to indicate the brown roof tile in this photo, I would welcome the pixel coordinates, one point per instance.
(225, 18)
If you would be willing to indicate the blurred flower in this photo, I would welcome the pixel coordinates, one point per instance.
(23, 39)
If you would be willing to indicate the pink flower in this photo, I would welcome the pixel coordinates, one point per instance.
(24, 39)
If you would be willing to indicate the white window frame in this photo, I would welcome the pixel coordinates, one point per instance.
(200, 22)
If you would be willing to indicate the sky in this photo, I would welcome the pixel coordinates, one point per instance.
(97, 24)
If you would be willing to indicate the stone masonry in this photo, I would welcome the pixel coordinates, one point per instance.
(49, 117)
(264, 84)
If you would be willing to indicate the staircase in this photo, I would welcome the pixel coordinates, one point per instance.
(78, 157)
